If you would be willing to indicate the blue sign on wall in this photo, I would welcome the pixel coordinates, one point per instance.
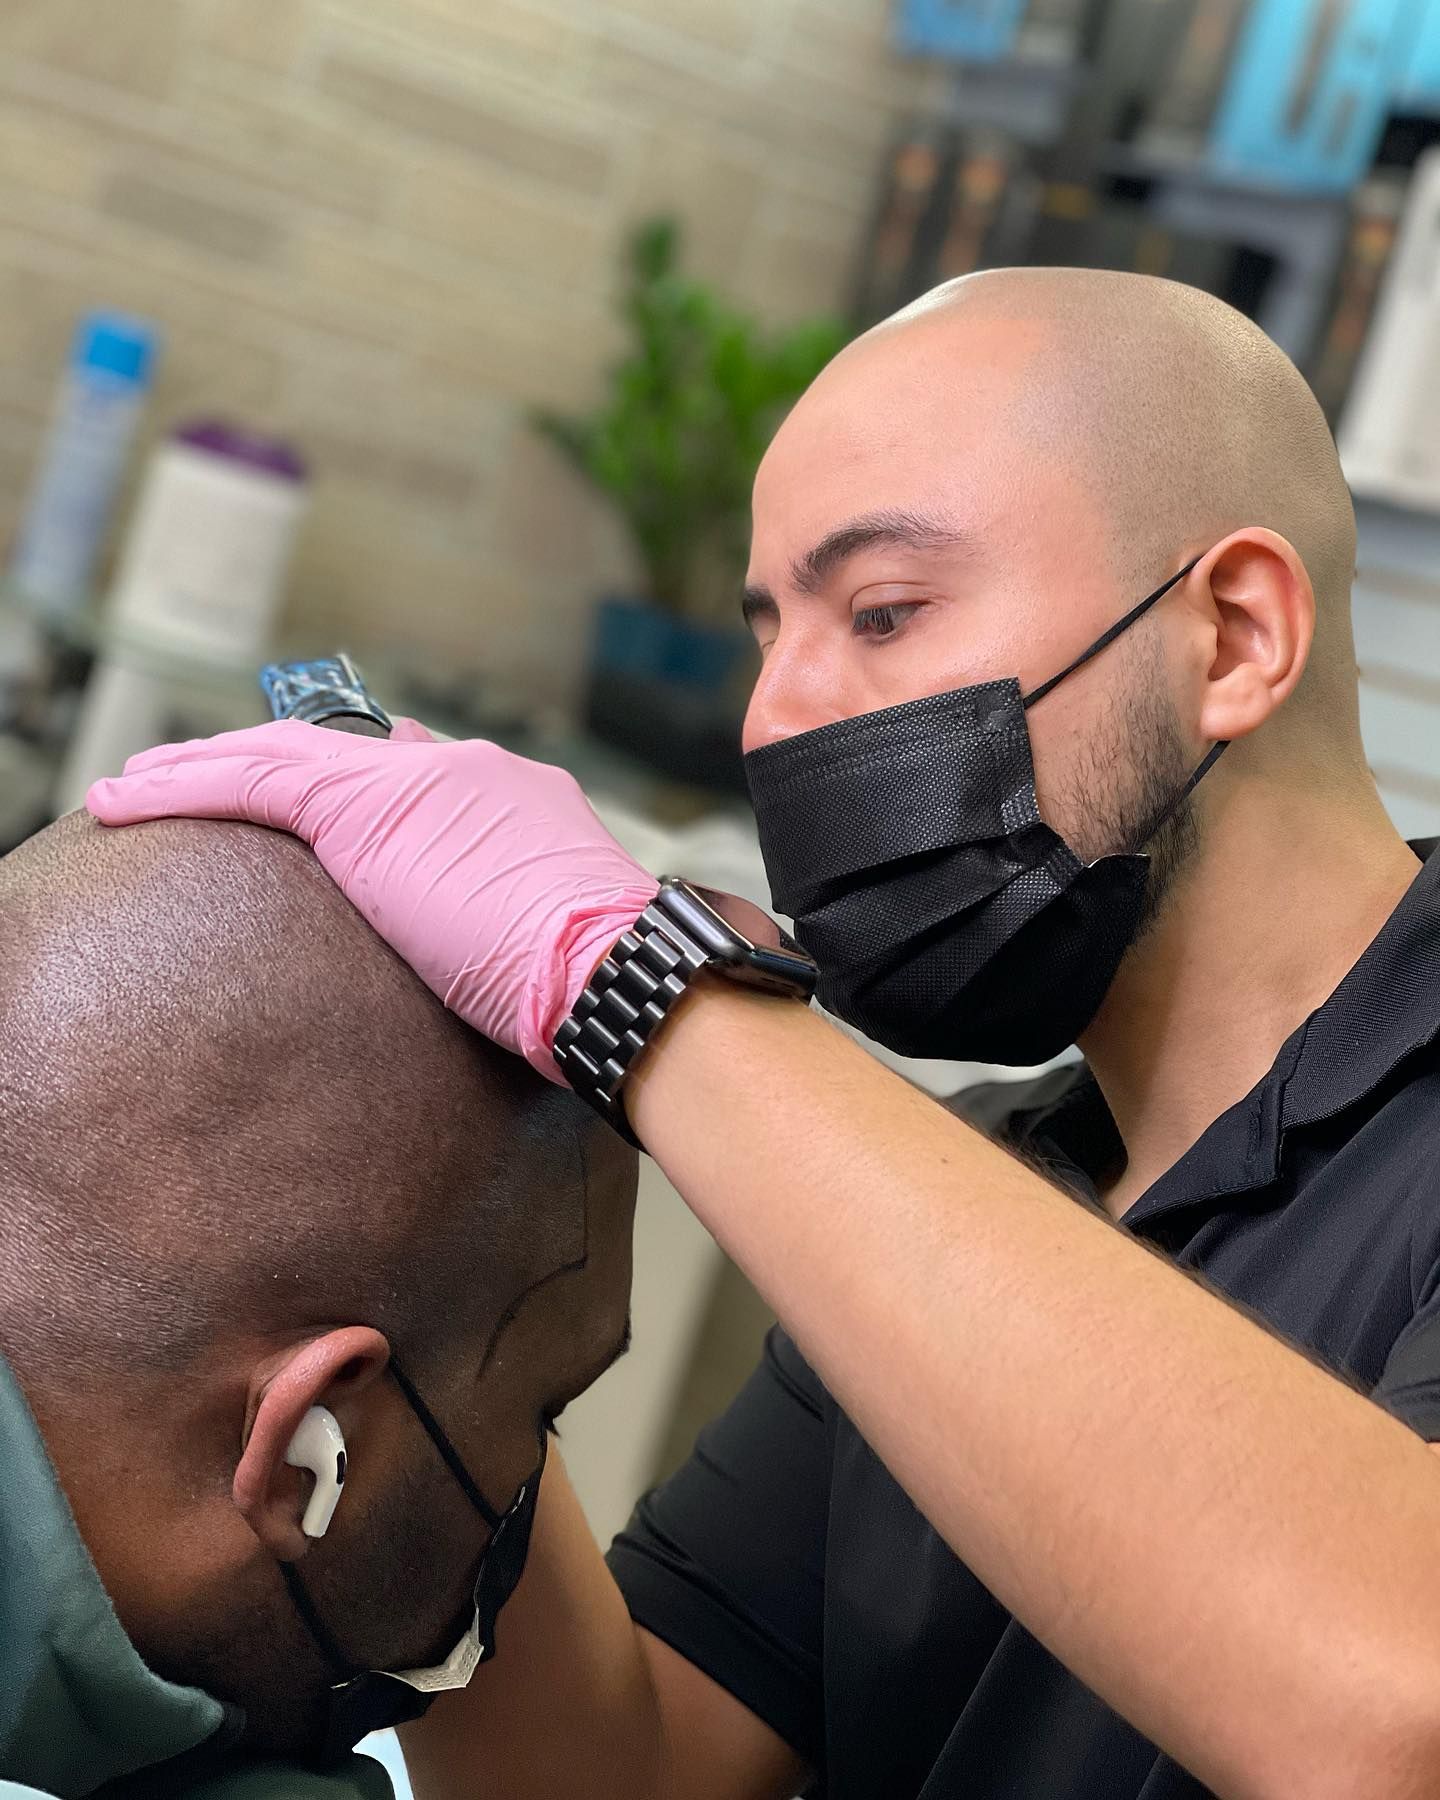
(1309, 91)
(967, 30)
(1420, 83)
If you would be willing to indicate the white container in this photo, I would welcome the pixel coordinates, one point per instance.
(68, 513)
(203, 570)
(124, 710)
(1389, 436)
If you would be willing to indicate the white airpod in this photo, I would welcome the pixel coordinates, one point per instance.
(319, 1446)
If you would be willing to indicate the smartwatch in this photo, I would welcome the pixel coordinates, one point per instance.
(683, 930)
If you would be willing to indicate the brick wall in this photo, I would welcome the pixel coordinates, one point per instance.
(387, 227)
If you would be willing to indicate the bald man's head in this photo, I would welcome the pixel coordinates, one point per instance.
(982, 487)
(226, 1106)
(1177, 413)
(250, 1166)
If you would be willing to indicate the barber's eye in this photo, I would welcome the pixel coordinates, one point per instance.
(879, 621)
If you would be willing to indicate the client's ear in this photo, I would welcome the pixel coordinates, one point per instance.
(330, 1371)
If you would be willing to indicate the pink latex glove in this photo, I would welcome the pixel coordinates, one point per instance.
(489, 874)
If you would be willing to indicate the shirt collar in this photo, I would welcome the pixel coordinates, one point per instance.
(1384, 1010)
(78, 1706)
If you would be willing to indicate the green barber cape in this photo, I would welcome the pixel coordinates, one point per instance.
(79, 1710)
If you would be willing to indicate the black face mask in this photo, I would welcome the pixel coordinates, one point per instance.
(366, 1700)
(947, 919)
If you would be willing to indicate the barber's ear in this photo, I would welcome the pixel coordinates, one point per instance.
(332, 1371)
(1264, 621)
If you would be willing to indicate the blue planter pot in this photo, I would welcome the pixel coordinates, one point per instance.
(636, 639)
(669, 692)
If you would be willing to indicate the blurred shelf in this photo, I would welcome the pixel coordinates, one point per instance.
(1025, 97)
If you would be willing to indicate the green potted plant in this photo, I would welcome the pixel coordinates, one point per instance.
(674, 447)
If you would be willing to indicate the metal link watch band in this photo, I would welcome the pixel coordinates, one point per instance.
(646, 972)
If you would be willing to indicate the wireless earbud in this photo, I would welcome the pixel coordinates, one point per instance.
(319, 1446)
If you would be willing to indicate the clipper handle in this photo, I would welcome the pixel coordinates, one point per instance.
(327, 691)
(348, 722)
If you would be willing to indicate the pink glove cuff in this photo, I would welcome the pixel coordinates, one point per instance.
(566, 969)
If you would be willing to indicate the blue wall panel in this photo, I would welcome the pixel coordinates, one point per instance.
(1420, 83)
(966, 30)
(1309, 91)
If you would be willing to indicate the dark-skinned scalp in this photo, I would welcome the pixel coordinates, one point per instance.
(227, 1108)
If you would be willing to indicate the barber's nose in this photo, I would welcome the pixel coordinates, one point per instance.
(796, 690)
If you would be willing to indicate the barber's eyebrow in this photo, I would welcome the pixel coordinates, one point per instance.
(881, 530)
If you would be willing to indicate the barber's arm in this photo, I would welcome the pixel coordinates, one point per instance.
(584, 1702)
(1237, 1552)
(727, 1561)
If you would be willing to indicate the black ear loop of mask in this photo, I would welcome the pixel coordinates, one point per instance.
(1103, 642)
(501, 1565)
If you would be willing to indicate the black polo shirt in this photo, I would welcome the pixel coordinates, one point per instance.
(786, 1563)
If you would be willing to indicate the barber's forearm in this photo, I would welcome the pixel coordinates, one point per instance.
(579, 1700)
(1235, 1550)
(566, 1707)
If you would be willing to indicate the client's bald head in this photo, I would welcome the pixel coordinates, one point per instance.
(227, 1106)
(249, 1165)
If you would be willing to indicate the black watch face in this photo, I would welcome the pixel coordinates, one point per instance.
(743, 941)
(749, 921)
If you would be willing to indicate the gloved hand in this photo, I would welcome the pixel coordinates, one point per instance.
(488, 873)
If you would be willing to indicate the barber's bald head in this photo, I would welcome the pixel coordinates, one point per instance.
(246, 1160)
(981, 486)
(1187, 417)
(1174, 410)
